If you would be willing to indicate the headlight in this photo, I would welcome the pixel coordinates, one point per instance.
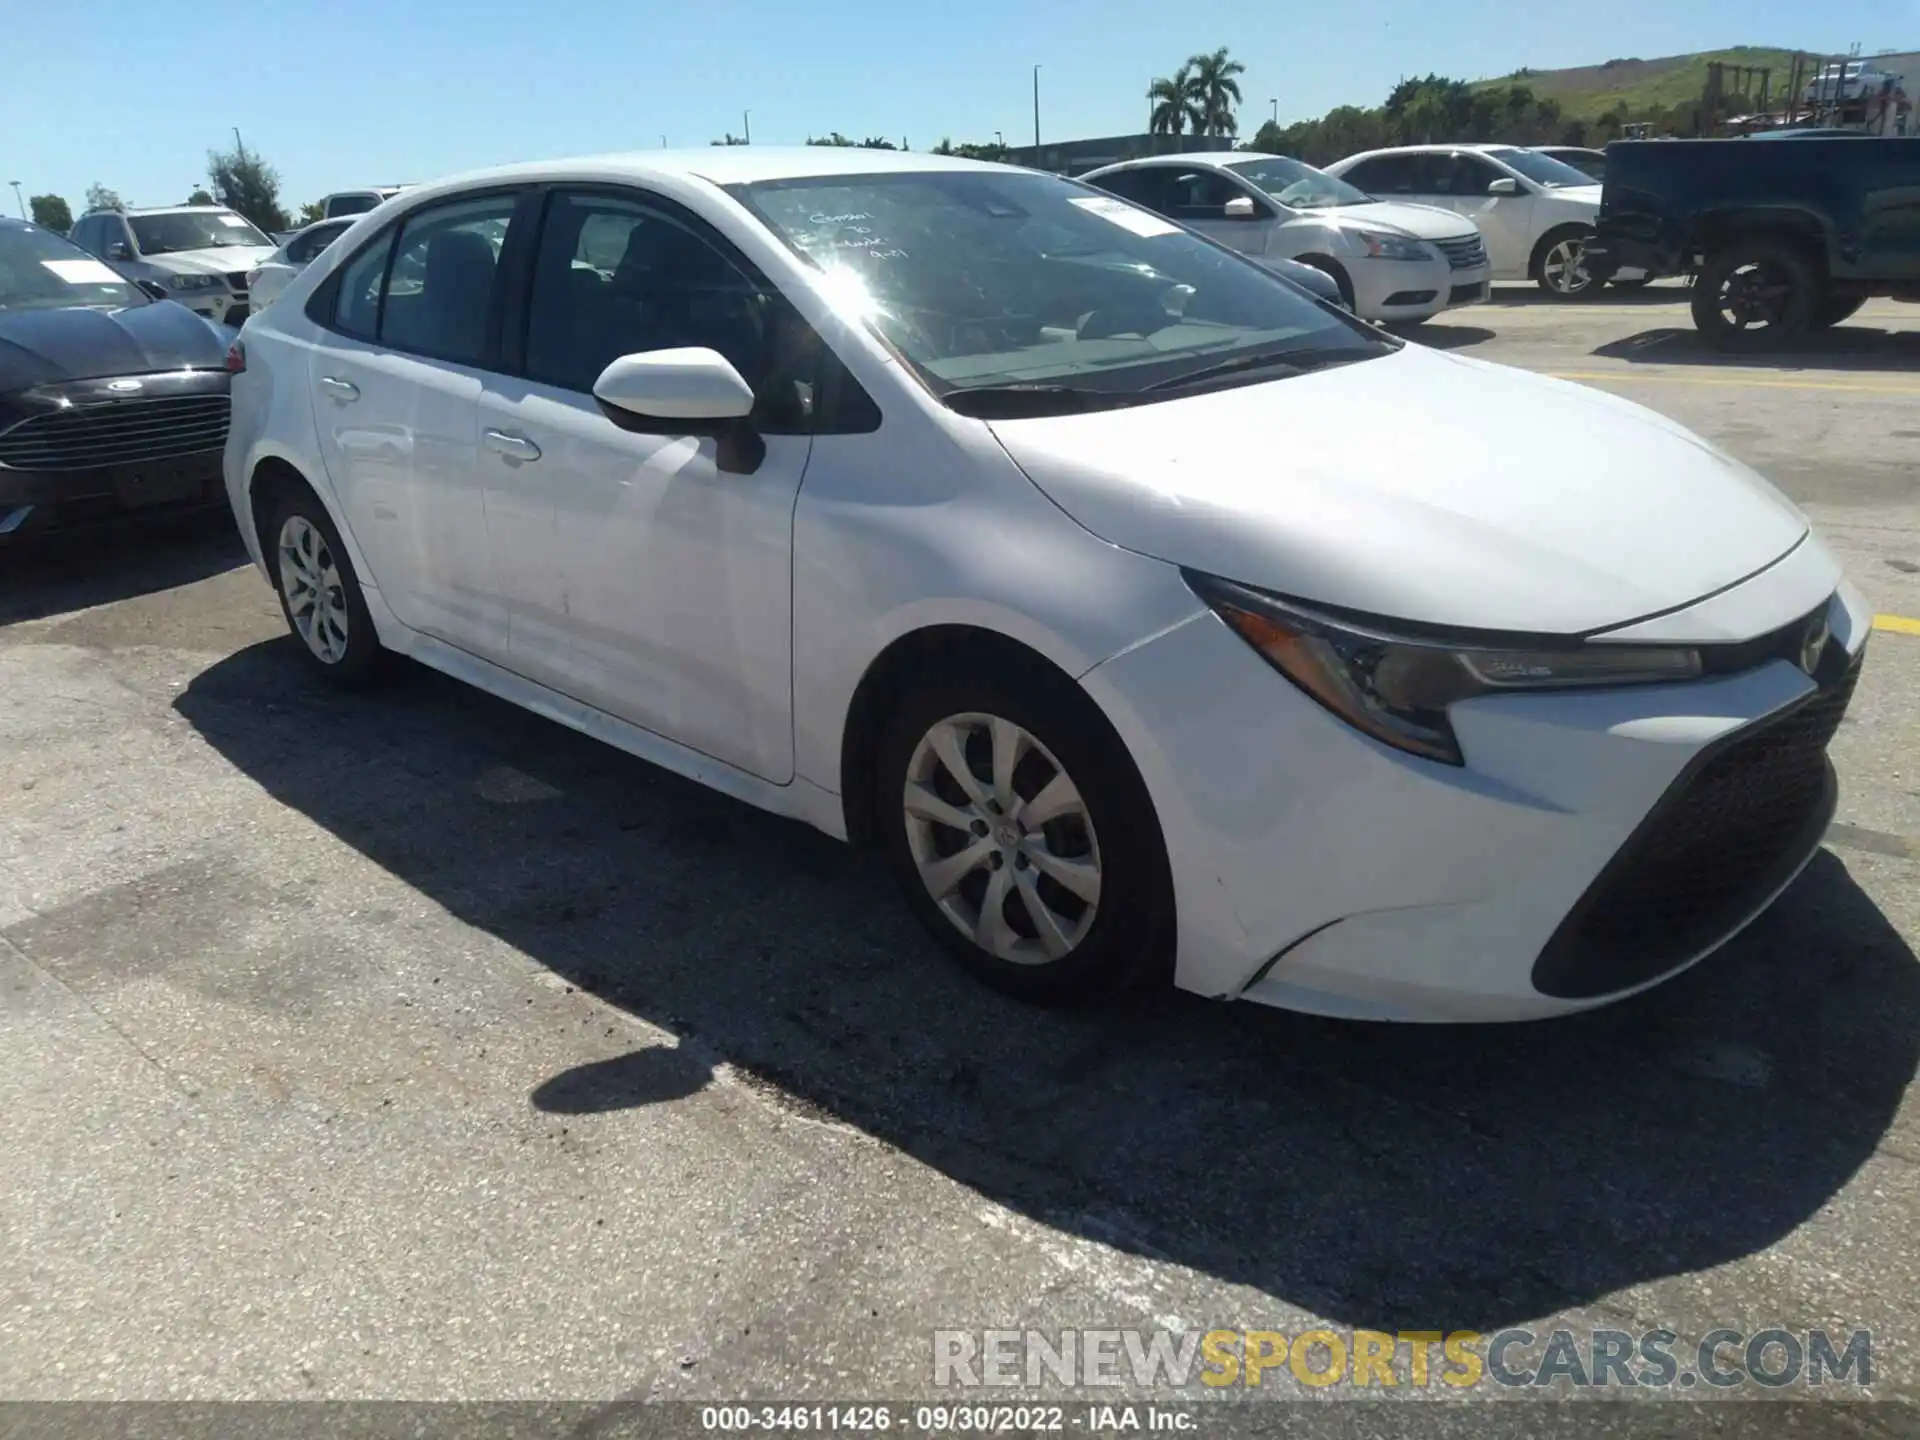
(1378, 246)
(1397, 688)
(190, 282)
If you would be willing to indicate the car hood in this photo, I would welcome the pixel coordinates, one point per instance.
(1429, 222)
(224, 261)
(40, 347)
(1420, 486)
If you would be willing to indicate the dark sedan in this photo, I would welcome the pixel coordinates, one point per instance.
(110, 400)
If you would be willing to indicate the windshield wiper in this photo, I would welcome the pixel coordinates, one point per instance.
(1024, 398)
(1297, 362)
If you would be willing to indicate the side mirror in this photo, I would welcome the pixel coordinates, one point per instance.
(118, 251)
(1505, 185)
(1241, 207)
(691, 391)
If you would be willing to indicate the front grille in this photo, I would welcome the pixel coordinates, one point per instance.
(126, 432)
(1728, 833)
(1465, 253)
(238, 280)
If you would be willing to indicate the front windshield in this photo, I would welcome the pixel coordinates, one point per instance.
(178, 230)
(40, 271)
(1299, 186)
(983, 279)
(1542, 169)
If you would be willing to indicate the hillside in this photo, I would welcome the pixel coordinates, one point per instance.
(1588, 91)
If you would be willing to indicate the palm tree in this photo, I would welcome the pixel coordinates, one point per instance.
(1174, 111)
(1214, 92)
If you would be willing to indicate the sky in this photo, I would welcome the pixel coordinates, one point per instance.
(338, 94)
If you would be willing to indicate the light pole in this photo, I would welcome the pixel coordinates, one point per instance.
(17, 200)
(1276, 110)
(746, 126)
(1036, 115)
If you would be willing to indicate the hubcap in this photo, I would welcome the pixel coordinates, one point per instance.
(1002, 839)
(1753, 296)
(1566, 267)
(316, 599)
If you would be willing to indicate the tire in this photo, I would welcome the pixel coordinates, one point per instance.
(1109, 924)
(309, 561)
(1754, 294)
(1557, 268)
(1338, 274)
(1835, 309)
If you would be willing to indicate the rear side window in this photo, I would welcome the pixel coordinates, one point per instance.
(441, 286)
(303, 248)
(1382, 175)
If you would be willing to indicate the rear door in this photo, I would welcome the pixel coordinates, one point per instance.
(415, 322)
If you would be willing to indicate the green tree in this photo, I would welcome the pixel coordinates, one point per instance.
(731, 139)
(878, 142)
(99, 197)
(311, 211)
(247, 184)
(51, 212)
(833, 137)
(199, 197)
(1174, 111)
(1214, 91)
(968, 150)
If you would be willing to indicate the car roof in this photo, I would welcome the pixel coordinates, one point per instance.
(725, 165)
(171, 210)
(1189, 157)
(1481, 145)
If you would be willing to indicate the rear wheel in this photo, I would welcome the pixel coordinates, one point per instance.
(320, 594)
(1754, 294)
(1023, 837)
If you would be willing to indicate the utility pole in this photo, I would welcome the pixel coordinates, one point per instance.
(1036, 116)
(238, 144)
(746, 126)
(17, 200)
(1276, 111)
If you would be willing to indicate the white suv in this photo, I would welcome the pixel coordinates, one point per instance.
(200, 253)
(1536, 213)
(1391, 262)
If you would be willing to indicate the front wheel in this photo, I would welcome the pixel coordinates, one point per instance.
(1754, 294)
(1836, 309)
(320, 594)
(1024, 839)
(1561, 267)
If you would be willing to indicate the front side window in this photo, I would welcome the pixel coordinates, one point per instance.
(1200, 195)
(440, 286)
(1541, 169)
(617, 276)
(1296, 185)
(1040, 288)
(181, 230)
(1469, 176)
(39, 271)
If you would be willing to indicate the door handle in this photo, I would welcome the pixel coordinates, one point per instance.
(514, 447)
(339, 389)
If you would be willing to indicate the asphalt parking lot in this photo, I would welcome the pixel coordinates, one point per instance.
(408, 1046)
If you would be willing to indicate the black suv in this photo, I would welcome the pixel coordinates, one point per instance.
(110, 400)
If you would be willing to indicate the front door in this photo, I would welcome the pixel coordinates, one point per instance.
(1198, 198)
(1459, 182)
(395, 392)
(648, 575)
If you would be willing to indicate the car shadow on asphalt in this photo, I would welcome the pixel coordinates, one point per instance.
(1396, 1177)
(1439, 335)
(54, 574)
(1658, 293)
(1845, 347)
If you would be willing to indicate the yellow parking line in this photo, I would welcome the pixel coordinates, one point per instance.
(1899, 624)
(1743, 382)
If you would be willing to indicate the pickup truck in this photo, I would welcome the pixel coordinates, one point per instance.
(1781, 240)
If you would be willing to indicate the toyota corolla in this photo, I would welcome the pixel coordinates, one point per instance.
(1152, 618)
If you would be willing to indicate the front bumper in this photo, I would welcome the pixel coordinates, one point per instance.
(109, 454)
(1399, 289)
(1319, 871)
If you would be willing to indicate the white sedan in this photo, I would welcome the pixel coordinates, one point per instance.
(1392, 263)
(1151, 617)
(1536, 213)
(297, 251)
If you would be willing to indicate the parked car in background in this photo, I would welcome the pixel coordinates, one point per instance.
(1150, 616)
(270, 276)
(1588, 161)
(1390, 262)
(1535, 213)
(1783, 239)
(356, 202)
(200, 253)
(110, 400)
